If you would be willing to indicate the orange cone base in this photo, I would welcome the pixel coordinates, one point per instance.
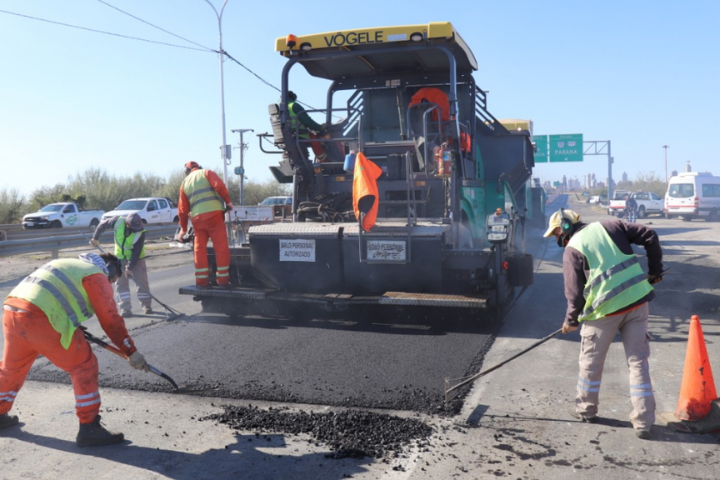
(709, 424)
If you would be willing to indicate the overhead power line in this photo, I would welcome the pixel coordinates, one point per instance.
(202, 47)
(205, 49)
(154, 26)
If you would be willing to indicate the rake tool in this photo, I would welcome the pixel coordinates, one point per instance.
(189, 389)
(471, 379)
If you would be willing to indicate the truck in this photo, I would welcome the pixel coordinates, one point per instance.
(453, 199)
(152, 210)
(63, 214)
(616, 206)
(648, 203)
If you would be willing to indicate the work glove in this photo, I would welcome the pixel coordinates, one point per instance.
(181, 235)
(229, 207)
(94, 242)
(137, 361)
(569, 328)
(128, 272)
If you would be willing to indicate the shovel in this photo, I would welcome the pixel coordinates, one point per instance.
(178, 389)
(449, 389)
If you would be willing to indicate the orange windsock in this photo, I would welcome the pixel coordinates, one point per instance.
(698, 387)
(365, 191)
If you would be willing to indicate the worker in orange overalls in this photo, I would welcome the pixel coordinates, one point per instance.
(205, 199)
(42, 316)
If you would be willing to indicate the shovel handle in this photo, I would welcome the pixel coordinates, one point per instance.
(91, 338)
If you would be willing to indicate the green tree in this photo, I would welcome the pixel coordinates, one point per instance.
(12, 206)
(649, 182)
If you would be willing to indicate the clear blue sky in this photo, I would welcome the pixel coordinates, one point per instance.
(641, 74)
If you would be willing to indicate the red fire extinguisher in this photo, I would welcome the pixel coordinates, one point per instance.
(443, 160)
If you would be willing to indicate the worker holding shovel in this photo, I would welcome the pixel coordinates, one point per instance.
(607, 290)
(43, 316)
(129, 233)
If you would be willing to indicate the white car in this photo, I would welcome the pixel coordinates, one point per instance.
(152, 210)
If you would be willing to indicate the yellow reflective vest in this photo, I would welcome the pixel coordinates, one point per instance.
(201, 196)
(56, 288)
(124, 244)
(616, 280)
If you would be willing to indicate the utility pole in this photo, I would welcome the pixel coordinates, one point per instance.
(224, 148)
(666, 177)
(241, 169)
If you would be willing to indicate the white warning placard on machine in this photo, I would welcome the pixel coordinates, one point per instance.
(297, 250)
(386, 251)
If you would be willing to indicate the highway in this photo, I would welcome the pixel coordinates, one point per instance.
(513, 423)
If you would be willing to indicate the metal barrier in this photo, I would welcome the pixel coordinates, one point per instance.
(56, 243)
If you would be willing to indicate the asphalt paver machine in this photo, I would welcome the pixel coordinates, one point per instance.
(454, 196)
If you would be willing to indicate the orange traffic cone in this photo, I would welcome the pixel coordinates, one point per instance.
(698, 386)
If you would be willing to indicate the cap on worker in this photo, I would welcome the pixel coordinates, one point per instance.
(191, 165)
(134, 222)
(555, 220)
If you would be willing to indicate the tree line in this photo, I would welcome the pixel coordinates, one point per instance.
(95, 189)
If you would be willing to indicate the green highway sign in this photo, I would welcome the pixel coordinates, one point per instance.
(566, 148)
(541, 148)
(556, 184)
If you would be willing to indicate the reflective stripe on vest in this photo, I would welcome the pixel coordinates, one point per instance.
(56, 289)
(615, 281)
(201, 195)
(296, 124)
(124, 244)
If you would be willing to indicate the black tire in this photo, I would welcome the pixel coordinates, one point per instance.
(668, 216)
(56, 224)
(686, 218)
(176, 219)
(641, 212)
(712, 216)
(144, 221)
(94, 223)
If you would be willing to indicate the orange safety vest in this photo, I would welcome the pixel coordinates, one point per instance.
(365, 188)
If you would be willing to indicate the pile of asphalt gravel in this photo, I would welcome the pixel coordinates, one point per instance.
(351, 433)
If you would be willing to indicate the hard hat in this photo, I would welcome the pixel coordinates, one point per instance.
(557, 218)
(291, 95)
(190, 166)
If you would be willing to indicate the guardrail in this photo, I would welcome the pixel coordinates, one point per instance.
(55, 243)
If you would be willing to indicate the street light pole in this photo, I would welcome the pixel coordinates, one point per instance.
(666, 177)
(241, 170)
(224, 147)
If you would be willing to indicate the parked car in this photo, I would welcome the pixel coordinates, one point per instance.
(152, 210)
(280, 204)
(64, 214)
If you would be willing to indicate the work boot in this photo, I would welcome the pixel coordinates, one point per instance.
(95, 435)
(583, 418)
(642, 433)
(126, 314)
(148, 311)
(8, 420)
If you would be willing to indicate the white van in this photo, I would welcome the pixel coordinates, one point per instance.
(692, 195)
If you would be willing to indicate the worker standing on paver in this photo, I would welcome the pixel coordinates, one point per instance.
(205, 199)
(130, 249)
(607, 290)
(42, 316)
